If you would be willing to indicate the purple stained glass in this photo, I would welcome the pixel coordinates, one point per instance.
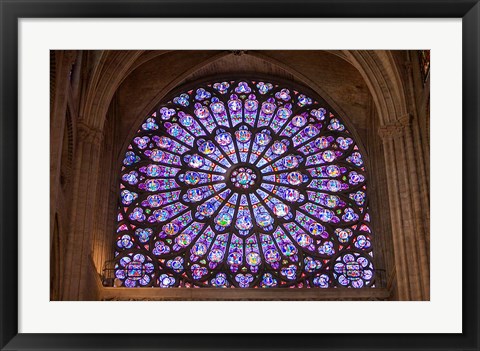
(243, 184)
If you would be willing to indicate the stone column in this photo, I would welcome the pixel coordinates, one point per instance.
(61, 65)
(78, 283)
(407, 213)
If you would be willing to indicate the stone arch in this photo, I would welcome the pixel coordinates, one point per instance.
(381, 73)
(386, 84)
(298, 76)
(378, 69)
(110, 70)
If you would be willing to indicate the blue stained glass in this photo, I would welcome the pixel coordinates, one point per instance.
(243, 184)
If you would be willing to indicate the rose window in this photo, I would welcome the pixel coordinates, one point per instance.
(246, 184)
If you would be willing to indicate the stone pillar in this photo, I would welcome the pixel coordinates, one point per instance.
(407, 213)
(61, 65)
(105, 225)
(77, 281)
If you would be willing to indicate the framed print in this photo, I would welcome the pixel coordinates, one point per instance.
(213, 175)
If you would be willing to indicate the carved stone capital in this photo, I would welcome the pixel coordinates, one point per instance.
(395, 129)
(389, 131)
(405, 120)
(88, 134)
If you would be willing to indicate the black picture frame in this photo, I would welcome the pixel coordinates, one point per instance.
(12, 11)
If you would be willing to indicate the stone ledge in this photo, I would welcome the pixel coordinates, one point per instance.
(141, 294)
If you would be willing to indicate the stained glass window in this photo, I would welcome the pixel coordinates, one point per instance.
(243, 184)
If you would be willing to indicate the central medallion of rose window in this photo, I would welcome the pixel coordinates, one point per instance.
(243, 178)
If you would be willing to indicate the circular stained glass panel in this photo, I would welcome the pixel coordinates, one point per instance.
(243, 183)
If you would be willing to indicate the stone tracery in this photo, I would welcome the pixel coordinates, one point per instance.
(244, 184)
